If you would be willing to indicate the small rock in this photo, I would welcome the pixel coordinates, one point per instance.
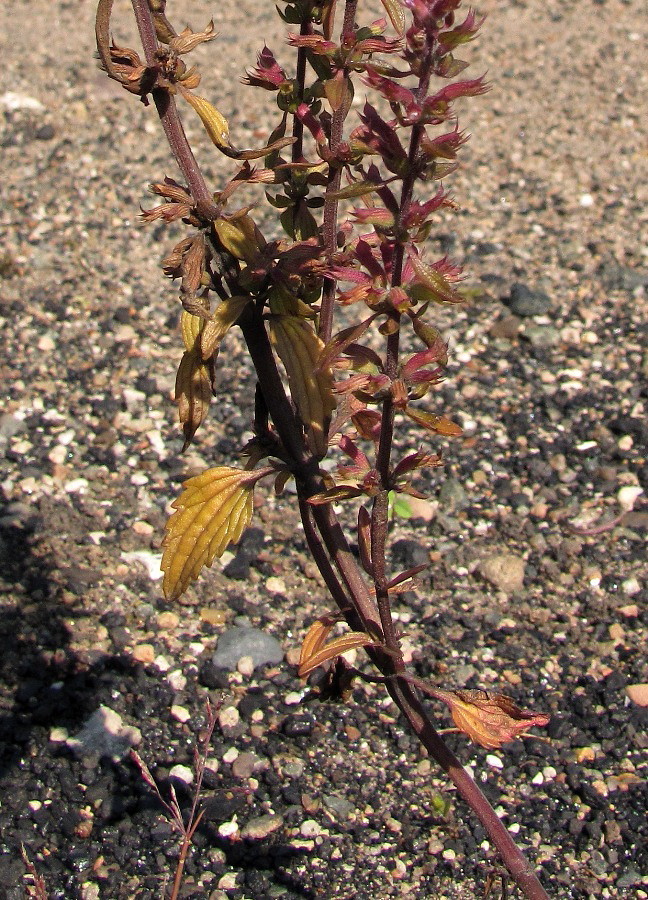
(104, 734)
(638, 693)
(144, 653)
(260, 827)
(168, 621)
(523, 301)
(452, 496)
(505, 571)
(245, 666)
(409, 553)
(151, 561)
(506, 327)
(276, 585)
(180, 713)
(240, 641)
(246, 764)
(182, 773)
(339, 806)
(213, 616)
(228, 717)
(541, 336)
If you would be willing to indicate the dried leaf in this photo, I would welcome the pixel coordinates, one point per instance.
(215, 123)
(316, 636)
(191, 327)
(396, 13)
(332, 495)
(355, 189)
(437, 424)
(334, 648)
(212, 512)
(193, 392)
(311, 387)
(225, 315)
(489, 720)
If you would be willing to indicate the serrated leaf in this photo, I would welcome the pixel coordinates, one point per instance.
(215, 329)
(438, 424)
(311, 388)
(396, 14)
(489, 720)
(193, 392)
(212, 512)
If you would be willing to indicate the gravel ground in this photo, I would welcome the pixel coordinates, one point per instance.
(549, 381)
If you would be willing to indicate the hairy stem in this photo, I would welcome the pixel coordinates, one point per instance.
(330, 217)
(170, 118)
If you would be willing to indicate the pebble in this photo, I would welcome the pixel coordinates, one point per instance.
(276, 585)
(104, 734)
(144, 653)
(505, 571)
(524, 301)
(180, 713)
(182, 773)
(228, 717)
(247, 764)
(262, 647)
(261, 826)
(638, 693)
(310, 828)
(177, 680)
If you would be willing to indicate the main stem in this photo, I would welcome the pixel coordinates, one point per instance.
(309, 482)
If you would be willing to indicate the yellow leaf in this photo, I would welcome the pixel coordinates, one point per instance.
(238, 238)
(190, 326)
(215, 328)
(438, 424)
(193, 392)
(215, 123)
(311, 387)
(212, 511)
(396, 14)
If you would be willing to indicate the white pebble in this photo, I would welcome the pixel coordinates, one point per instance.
(245, 666)
(538, 778)
(494, 761)
(293, 698)
(586, 200)
(275, 585)
(177, 680)
(182, 773)
(227, 829)
(180, 713)
(228, 717)
(627, 495)
(230, 755)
